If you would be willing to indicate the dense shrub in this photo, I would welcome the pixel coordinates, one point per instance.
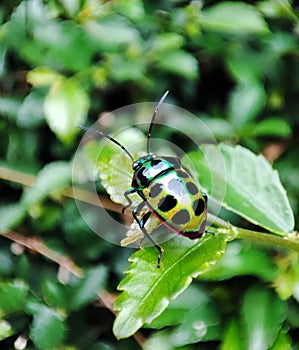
(232, 64)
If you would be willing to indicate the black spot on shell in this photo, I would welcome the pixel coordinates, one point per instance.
(181, 217)
(198, 206)
(155, 190)
(167, 203)
(192, 188)
(182, 174)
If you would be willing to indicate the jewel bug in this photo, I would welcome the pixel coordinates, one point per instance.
(167, 190)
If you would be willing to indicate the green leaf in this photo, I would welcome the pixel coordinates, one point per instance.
(246, 102)
(195, 315)
(286, 282)
(56, 294)
(167, 42)
(181, 63)
(48, 329)
(132, 9)
(281, 9)
(202, 324)
(283, 342)
(11, 215)
(127, 69)
(5, 330)
(115, 168)
(147, 290)
(111, 35)
(252, 188)
(51, 180)
(271, 127)
(72, 7)
(9, 107)
(239, 260)
(161, 340)
(87, 289)
(65, 108)
(232, 338)
(42, 76)
(262, 314)
(179, 308)
(12, 296)
(233, 18)
(30, 113)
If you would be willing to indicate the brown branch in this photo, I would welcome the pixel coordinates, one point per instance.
(17, 176)
(35, 244)
(81, 195)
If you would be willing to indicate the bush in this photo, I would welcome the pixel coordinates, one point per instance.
(233, 65)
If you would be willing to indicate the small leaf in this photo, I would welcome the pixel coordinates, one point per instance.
(252, 188)
(87, 289)
(72, 7)
(131, 9)
(12, 296)
(233, 18)
(5, 330)
(42, 76)
(65, 107)
(115, 168)
(52, 179)
(11, 215)
(167, 41)
(271, 127)
(112, 34)
(56, 294)
(286, 282)
(30, 113)
(48, 329)
(181, 63)
(179, 308)
(232, 338)
(246, 102)
(202, 324)
(146, 290)
(262, 314)
(240, 260)
(283, 342)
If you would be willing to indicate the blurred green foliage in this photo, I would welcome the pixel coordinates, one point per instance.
(233, 64)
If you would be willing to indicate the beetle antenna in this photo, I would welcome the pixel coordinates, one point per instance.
(95, 131)
(149, 134)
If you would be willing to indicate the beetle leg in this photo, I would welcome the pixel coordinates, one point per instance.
(143, 220)
(126, 194)
(141, 224)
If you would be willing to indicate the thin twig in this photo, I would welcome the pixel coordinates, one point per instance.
(82, 195)
(35, 244)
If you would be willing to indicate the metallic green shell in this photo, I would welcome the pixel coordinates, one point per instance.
(178, 203)
(171, 194)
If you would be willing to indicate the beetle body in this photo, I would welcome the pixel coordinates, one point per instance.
(171, 194)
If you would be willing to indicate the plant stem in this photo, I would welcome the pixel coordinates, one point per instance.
(288, 241)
